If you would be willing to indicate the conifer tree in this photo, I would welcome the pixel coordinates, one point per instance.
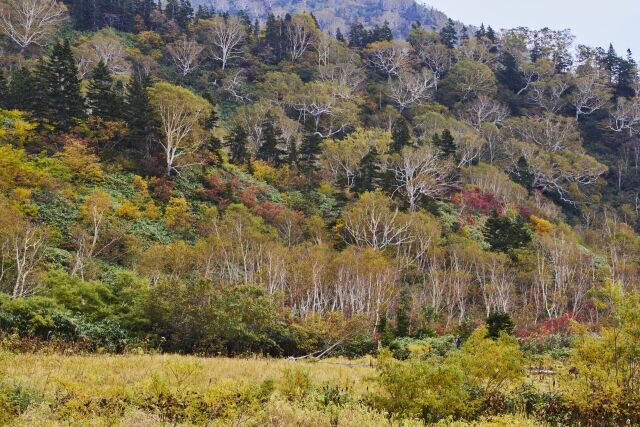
(203, 12)
(310, 150)
(369, 172)
(464, 36)
(144, 8)
(22, 95)
(184, 14)
(449, 35)
(385, 33)
(445, 143)
(339, 36)
(61, 101)
(172, 9)
(292, 154)
(627, 71)
(273, 37)
(4, 91)
(101, 98)
(238, 146)
(213, 144)
(403, 320)
(400, 135)
(509, 74)
(357, 36)
(139, 115)
(491, 34)
(272, 138)
(536, 50)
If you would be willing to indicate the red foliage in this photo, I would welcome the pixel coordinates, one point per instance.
(162, 188)
(525, 212)
(440, 329)
(269, 211)
(560, 325)
(248, 197)
(475, 201)
(218, 191)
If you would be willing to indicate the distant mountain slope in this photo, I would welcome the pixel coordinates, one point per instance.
(334, 14)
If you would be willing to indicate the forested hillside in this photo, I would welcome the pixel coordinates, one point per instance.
(186, 180)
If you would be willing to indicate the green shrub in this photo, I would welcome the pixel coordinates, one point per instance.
(295, 383)
(14, 400)
(429, 390)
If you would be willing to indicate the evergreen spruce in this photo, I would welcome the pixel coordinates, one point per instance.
(509, 74)
(491, 34)
(627, 71)
(292, 154)
(497, 323)
(310, 150)
(464, 36)
(238, 146)
(140, 116)
(339, 36)
(449, 35)
(184, 14)
(101, 98)
(403, 309)
(400, 136)
(369, 173)
(272, 138)
(22, 95)
(385, 33)
(446, 143)
(172, 9)
(357, 36)
(61, 101)
(4, 91)
(273, 38)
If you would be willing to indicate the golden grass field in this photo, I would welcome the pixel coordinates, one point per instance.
(149, 390)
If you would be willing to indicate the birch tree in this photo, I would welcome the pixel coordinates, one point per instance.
(373, 222)
(591, 90)
(420, 172)
(184, 54)
(182, 115)
(301, 34)
(94, 215)
(389, 58)
(28, 22)
(410, 89)
(225, 36)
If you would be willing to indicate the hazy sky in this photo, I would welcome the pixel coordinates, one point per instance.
(594, 23)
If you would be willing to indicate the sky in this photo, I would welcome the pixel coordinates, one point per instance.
(594, 23)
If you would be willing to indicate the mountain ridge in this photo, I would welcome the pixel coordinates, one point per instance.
(333, 15)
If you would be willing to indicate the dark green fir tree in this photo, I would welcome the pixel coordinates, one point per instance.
(102, 100)
(61, 101)
(449, 35)
(369, 173)
(446, 143)
(310, 150)
(272, 140)
(238, 146)
(21, 90)
(4, 91)
(141, 119)
(400, 136)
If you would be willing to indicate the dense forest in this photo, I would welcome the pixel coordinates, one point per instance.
(185, 179)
